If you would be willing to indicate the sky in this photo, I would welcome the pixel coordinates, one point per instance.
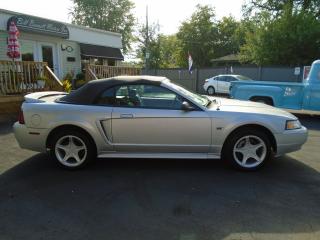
(168, 13)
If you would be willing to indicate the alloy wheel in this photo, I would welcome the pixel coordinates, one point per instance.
(249, 151)
(71, 151)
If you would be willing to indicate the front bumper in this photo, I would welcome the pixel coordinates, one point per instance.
(205, 86)
(30, 138)
(291, 140)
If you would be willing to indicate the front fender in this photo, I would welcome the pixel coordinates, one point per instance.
(222, 128)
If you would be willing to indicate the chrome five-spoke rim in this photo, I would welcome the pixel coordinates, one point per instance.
(249, 151)
(71, 151)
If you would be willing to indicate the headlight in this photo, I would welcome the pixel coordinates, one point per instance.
(293, 124)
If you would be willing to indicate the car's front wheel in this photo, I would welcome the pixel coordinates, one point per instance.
(248, 149)
(72, 150)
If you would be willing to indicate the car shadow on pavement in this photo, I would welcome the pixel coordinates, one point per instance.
(159, 199)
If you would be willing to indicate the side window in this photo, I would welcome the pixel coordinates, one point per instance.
(127, 96)
(106, 98)
(222, 78)
(229, 79)
(147, 96)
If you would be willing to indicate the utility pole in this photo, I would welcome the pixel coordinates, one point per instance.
(147, 39)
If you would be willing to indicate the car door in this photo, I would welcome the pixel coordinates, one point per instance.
(228, 81)
(222, 84)
(148, 118)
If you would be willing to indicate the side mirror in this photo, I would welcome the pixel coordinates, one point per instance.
(185, 106)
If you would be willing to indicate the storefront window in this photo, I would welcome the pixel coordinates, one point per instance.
(26, 49)
(111, 62)
(98, 61)
(27, 57)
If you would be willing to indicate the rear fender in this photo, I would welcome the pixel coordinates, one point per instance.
(247, 92)
(89, 128)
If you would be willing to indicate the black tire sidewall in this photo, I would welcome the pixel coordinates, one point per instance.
(91, 152)
(213, 90)
(231, 141)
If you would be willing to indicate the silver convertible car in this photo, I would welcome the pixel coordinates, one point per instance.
(151, 117)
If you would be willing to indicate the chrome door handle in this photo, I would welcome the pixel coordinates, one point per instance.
(126, 116)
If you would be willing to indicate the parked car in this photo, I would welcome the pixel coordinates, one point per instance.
(221, 83)
(151, 117)
(289, 95)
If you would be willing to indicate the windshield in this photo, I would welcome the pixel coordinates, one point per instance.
(202, 100)
(243, 78)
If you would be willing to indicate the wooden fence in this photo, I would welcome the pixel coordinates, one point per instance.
(100, 71)
(19, 77)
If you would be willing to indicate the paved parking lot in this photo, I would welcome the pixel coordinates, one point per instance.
(159, 199)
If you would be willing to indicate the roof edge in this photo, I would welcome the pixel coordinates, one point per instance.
(68, 24)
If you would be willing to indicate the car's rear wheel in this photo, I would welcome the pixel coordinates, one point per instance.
(211, 91)
(248, 149)
(72, 150)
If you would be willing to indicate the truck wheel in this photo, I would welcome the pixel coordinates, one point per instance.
(264, 100)
(211, 91)
(247, 149)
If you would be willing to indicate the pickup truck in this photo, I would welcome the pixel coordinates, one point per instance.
(288, 95)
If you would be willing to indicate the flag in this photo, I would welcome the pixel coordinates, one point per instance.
(190, 63)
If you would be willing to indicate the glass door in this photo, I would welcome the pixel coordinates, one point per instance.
(48, 54)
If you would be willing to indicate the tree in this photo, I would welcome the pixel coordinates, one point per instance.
(228, 38)
(170, 51)
(197, 36)
(163, 49)
(148, 40)
(277, 7)
(291, 39)
(109, 15)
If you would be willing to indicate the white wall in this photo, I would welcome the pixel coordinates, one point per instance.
(77, 33)
(94, 36)
(3, 20)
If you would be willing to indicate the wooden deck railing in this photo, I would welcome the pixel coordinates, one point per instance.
(100, 71)
(19, 77)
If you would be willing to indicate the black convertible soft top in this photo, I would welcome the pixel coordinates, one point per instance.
(89, 92)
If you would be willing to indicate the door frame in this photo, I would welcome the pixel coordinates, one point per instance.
(56, 62)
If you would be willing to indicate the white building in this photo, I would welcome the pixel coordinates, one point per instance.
(65, 47)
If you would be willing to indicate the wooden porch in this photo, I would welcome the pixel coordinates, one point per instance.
(94, 72)
(21, 77)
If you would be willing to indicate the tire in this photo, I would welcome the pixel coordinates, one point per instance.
(244, 155)
(211, 90)
(264, 100)
(78, 154)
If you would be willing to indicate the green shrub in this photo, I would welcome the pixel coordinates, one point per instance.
(69, 76)
(80, 76)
